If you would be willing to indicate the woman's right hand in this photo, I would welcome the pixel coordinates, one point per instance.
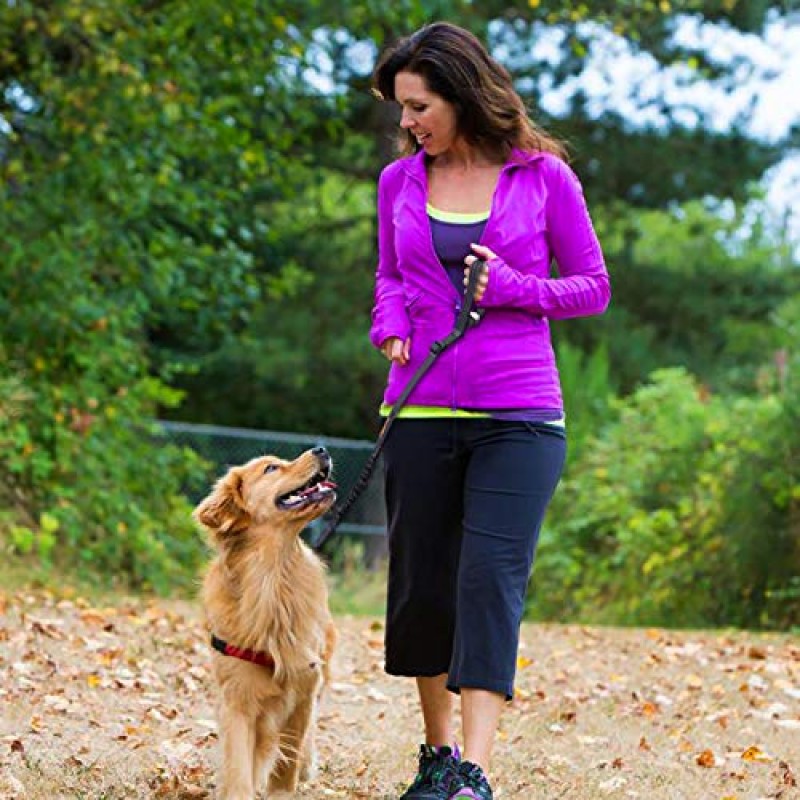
(397, 350)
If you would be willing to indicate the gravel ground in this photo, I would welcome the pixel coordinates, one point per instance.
(116, 702)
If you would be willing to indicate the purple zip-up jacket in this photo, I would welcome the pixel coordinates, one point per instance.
(506, 362)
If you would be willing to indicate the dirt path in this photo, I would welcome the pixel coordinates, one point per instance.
(115, 702)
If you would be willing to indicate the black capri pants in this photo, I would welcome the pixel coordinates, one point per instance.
(465, 500)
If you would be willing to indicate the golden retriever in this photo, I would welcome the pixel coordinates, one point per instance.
(266, 604)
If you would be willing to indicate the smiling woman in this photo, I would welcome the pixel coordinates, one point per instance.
(473, 459)
(429, 118)
(478, 90)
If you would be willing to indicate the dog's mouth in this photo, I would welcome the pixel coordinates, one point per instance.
(316, 489)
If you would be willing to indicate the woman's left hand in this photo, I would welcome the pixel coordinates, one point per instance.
(485, 254)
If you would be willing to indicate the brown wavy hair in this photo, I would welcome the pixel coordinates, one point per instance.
(456, 66)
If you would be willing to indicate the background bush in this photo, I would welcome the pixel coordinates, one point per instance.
(682, 509)
(187, 230)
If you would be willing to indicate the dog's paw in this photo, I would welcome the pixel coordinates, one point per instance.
(309, 769)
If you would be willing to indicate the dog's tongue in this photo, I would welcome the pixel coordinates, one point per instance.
(317, 487)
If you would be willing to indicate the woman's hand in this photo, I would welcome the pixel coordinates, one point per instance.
(485, 254)
(397, 350)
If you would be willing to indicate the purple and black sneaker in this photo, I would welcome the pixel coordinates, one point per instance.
(437, 777)
(471, 783)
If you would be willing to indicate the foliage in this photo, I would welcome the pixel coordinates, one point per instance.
(304, 363)
(186, 228)
(682, 510)
(139, 138)
(300, 356)
(613, 155)
(588, 392)
(693, 286)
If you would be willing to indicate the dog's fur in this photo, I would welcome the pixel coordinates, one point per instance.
(266, 591)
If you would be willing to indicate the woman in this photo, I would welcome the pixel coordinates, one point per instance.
(473, 459)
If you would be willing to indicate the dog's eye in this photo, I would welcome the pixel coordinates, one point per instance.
(270, 468)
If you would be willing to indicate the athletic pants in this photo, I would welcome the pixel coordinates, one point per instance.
(465, 499)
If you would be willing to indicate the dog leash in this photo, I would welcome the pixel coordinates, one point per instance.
(467, 318)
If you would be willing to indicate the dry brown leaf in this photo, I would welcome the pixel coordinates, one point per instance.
(787, 775)
(694, 682)
(93, 616)
(706, 759)
(190, 790)
(755, 754)
(648, 709)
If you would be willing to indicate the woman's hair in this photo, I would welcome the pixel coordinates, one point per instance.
(456, 66)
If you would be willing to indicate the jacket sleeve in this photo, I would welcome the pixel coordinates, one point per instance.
(582, 287)
(389, 317)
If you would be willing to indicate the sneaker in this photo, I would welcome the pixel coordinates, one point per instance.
(437, 775)
(474, 783)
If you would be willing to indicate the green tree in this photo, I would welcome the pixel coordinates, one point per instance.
(694, 286)
(624, 168)
(138, 143)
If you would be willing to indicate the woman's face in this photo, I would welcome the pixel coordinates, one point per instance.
(428, 116)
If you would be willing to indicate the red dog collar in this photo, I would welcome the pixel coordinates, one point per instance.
(253, 656)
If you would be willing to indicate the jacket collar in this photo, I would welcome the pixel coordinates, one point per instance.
(414, 165)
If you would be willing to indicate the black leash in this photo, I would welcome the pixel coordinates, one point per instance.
(467, 318)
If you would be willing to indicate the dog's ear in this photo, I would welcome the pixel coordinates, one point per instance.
(224, 511)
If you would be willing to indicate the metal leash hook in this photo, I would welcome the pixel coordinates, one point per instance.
(468, 317)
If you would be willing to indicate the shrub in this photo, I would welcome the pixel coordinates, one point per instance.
(683, 510)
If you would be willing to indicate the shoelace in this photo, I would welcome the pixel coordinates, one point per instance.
(431, 768)
(434, 768)
(476, 778)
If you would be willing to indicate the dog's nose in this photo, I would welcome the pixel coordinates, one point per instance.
(323, 456)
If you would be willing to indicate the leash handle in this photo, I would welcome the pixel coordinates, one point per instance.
(467, 318)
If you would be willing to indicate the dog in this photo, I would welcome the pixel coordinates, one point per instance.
(266, 606)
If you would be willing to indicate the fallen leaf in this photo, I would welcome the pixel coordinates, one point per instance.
(787, 774)
(694, 682)
(706, 759)
(755, 754)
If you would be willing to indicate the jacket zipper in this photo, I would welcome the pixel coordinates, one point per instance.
(453, 403)
(443, 271)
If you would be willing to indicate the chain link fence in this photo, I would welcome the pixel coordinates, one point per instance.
(223, 447)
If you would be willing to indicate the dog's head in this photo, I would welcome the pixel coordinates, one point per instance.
(269, 490)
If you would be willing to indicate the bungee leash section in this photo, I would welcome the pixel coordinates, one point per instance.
(467, 318)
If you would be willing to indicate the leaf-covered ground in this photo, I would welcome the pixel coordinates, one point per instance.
(116, 702)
